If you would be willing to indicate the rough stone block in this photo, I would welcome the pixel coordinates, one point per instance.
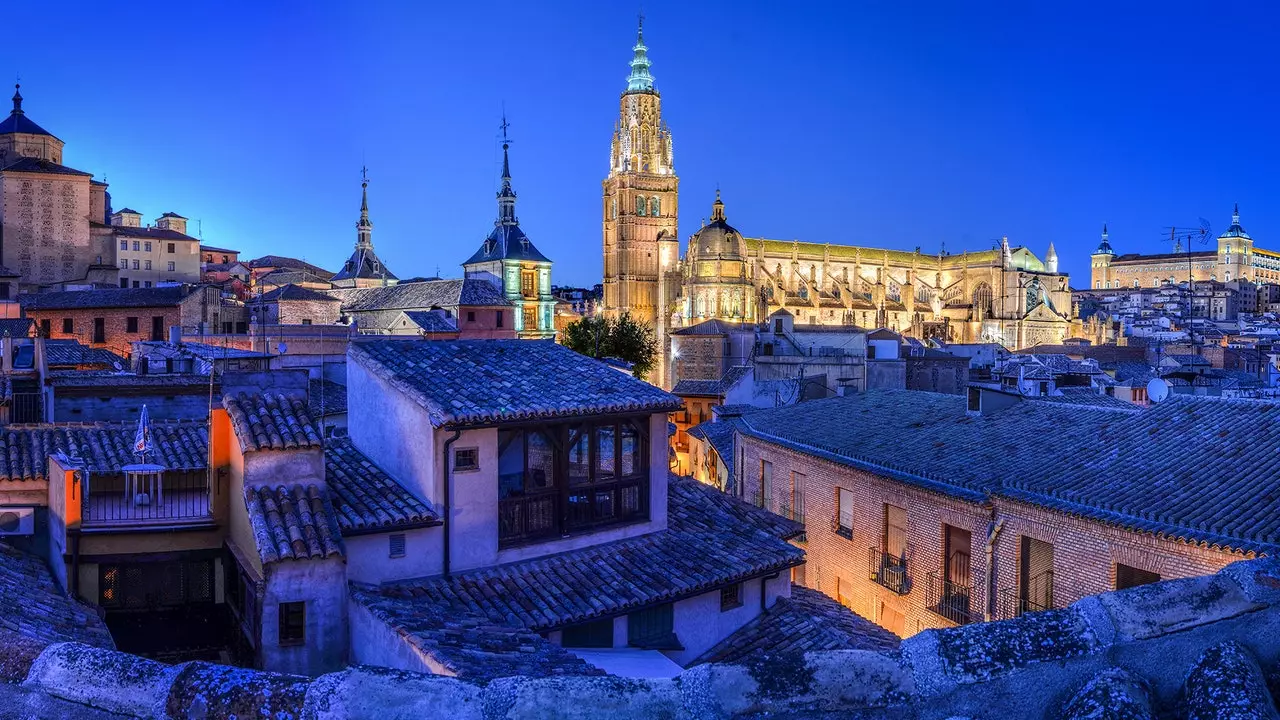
(1227, 684)
(216, 692)
(375, 693)
(102, 679)
(1152, 610)
(581, 698)
(1112, 694)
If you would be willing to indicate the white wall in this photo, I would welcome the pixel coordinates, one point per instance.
(700, 625)
(270, 468)
(373, 642)
(393, 431)
(369, 556)
(322, 584)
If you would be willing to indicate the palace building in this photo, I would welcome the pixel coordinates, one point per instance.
(1006, 295)
(1236, 258)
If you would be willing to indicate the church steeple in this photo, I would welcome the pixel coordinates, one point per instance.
(364, 228)
(17, 100)
(717, 209)
(640, 80)
(506, 196)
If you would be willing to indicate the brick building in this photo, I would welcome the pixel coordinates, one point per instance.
(920, 514)
(294, 305)
(114, 318)
(476, 308)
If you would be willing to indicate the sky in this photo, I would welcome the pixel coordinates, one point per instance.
(896, 125)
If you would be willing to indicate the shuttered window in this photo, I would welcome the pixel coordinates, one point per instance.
(844, 512)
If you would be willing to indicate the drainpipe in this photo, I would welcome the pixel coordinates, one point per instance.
(993, 530)
(446, 504)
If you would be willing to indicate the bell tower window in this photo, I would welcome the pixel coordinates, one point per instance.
(640, 205)
(655, 206)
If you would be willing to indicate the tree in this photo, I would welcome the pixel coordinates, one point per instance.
(622, 338)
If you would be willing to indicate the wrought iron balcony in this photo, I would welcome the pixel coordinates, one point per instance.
(889, 571)
(149, 497)
(952, 601)
(1036, 597)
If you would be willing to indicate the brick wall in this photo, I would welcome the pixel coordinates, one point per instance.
(116, 337)
(938, 374)
(316, 312)
(1085, 551)
(701, 357)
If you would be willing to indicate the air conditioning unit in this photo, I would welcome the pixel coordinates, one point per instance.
(17, 521)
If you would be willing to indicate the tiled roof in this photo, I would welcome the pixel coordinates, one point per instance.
(711, 540)
(490, 381)
(106, 298)
(272, 420)
(715, 327)
(1101, 353)
(326, 397)
(204, 351)
(1131, 374)
(808, 621)
(286, 276)
(153, 233)
(70, 353)
(719, 434)
(364, 263)
(288, 263)
(293, 292)
(16, 327)
(712, 388)
(431, 322)
(32, 604)
(1186, 468)
(292, 522)
(1083, 396)
(422, 295)
(101, 447)
(366, 499)
(212, 249)
(506, 242)
(111, 379)
(36, 165)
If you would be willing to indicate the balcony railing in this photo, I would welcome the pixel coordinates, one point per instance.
(889, 571)
(950, 600)
(527, 517)
(1037, 597)
(153, 499)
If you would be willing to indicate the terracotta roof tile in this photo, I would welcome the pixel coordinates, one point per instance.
(292, 522)
(364, 497)
(32, 604)
(272, 421)
(101, 447)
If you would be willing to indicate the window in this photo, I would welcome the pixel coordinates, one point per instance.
(396, 545)
(528, 284)
(4, 291)
(844, 513)
(146, 283)
(1127, 577)
(157, 327)
(306, 321)
(172, 266)
(498, 316)
(465, 459)
(68, 326)
(594, 634)
(471, 316)
(146, 264)
(44, 328)
(655, 206)
(730, 597)
(797, 496)
(894, 541)
(531, 318)
(124, 244)
(766, 483)
(147, 246)
(136, 265)
(136, 246)
(171, 251)
(124, 264)
(99, 330)
(590, 476)
(653, 628)
(1035, 582)
(293, 623)
(640, 206)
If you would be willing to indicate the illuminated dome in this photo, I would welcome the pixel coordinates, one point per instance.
(718, 240)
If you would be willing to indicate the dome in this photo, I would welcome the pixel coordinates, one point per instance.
(718, 240)
(1236, 230)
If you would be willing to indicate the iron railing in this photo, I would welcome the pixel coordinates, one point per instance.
(889, 571)
(952, 601)
(113, 500)
(1037, 596)
(26, 408)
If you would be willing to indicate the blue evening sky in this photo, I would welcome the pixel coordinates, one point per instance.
(885, 124)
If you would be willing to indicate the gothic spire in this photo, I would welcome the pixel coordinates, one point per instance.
(717, 209)
(17, 99)
(506, 196)
(364, 228)
(640, 80)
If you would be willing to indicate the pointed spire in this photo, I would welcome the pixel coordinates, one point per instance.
(1235, 215)
(364, 228)
(640, 80)
(1051, 259)
(506, 196)
(17, 99)
(1104, 247)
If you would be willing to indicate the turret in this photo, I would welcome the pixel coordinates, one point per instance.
(1051, 260)
(1102, 262)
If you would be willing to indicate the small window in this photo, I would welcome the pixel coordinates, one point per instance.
(653, 628)
(172, 266)
(731, 597)
(293, 623)
(1127, 577)
(466, 459)
(136, 246)
(147, 246)
(136, 265)
(44, 328)
(499, 319)
(146, 265)
(306, 321)
(146, 283)
(171, 251)
(594, 634)
(124, 264)
(68, 325)
(471, 316)
(844, 513)
(397, 545)
(124, 244)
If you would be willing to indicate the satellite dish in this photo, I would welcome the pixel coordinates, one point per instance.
(282, 347)
(1157, 390)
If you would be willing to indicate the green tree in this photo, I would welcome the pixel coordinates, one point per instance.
(622, 338)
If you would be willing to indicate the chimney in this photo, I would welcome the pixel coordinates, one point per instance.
(175, 335)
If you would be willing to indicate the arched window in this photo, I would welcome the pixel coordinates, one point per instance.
(655, 207)
(982, 298)
(615, 208)
(640, 205)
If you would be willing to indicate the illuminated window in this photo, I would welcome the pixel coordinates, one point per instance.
(640, 205)
(655, 206)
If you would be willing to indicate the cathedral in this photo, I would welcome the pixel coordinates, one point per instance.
(1006, 295)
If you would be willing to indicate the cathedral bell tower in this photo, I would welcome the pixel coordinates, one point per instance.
(641, 246)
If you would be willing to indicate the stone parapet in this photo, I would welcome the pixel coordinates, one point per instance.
(1196, 645)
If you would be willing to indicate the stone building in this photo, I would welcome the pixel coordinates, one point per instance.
(115, 318)
(1235, 258)
(294, 305)
(151, 255)
(473, 308)
(922, 515)
(508, 259)
(364, 268)
(1005, 295)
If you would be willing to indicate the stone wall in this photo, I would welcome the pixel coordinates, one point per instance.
(46, 228)
(1198, 648)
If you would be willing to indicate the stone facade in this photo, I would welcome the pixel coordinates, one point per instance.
(46, 227)
(117, 328)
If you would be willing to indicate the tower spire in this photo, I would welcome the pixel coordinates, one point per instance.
(1235, 215)
(717, 208)
(17, 99)
(506, 196)
(364, 228)
(640, 80)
